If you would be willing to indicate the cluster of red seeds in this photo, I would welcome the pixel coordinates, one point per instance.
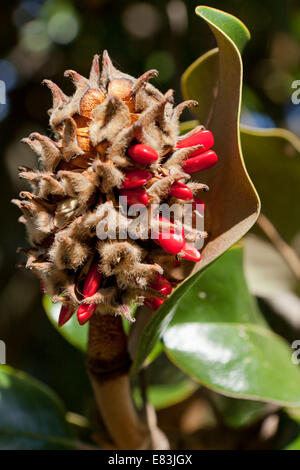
(172, 241)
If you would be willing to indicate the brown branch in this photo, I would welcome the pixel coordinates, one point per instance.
(108, 364)
(286, 251)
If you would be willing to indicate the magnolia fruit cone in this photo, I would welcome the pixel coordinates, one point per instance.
(116, 136)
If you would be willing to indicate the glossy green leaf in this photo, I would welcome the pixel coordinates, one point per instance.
(227, 23)
(201, 81)
(218, 336)
(239, 360)
(31, 415)
(73, 332)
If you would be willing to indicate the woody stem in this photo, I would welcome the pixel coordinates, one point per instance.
(108, 364)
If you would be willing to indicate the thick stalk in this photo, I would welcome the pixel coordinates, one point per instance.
(108, 363)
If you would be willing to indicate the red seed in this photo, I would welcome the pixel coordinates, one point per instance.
(92, 281)
(91, 285)
(84, 312)
(171, 240)
(181, 191)
(200, 162)
(153, 302)
(135, 196)
(172, 245)
(142, 154)
(162, 285)
(203, 137)
(136, 178)
(190, 252)
(65, 314)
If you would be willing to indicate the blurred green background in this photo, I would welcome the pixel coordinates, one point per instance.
(40, 39)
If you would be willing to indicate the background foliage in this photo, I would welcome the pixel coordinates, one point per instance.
(40, 39)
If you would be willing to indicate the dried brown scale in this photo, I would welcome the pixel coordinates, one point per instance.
(79, 175)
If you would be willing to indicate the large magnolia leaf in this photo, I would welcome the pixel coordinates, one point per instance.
(232, 202)
(218, 336)
(272, 157)
(244, 361)
(31, 415)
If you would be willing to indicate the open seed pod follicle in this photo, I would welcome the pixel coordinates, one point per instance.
(116, 136)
